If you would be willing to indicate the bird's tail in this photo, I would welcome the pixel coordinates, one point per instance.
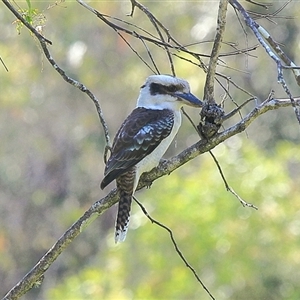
(123, 217)
(125, 184)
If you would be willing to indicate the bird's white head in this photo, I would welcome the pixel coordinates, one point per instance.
(166, 92)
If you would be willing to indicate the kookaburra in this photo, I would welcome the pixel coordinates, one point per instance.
(144, 137)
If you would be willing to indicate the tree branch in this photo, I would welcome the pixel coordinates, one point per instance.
(210, 78)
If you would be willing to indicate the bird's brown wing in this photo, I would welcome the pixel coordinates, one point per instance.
(138, 136)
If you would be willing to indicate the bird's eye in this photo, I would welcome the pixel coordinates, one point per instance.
(172, 88)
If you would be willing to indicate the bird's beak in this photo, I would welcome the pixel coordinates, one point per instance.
(189, 99)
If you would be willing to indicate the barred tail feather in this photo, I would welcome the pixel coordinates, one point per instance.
(125, 184)
(123, 217)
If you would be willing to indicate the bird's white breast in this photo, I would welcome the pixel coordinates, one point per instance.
(152, 160)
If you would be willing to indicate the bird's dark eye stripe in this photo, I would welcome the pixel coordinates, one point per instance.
(156, 88)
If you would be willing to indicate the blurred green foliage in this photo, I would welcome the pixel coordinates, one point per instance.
(31, 15)
(51, 162)
(238, 252)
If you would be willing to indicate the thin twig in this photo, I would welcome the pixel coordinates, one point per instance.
(237, 109)
(136, 52)
(266, 6)
(228, 188)
(272, 15)
(5, 67)
(155, 22)
(150, 56)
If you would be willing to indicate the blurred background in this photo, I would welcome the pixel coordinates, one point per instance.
(51, 160)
